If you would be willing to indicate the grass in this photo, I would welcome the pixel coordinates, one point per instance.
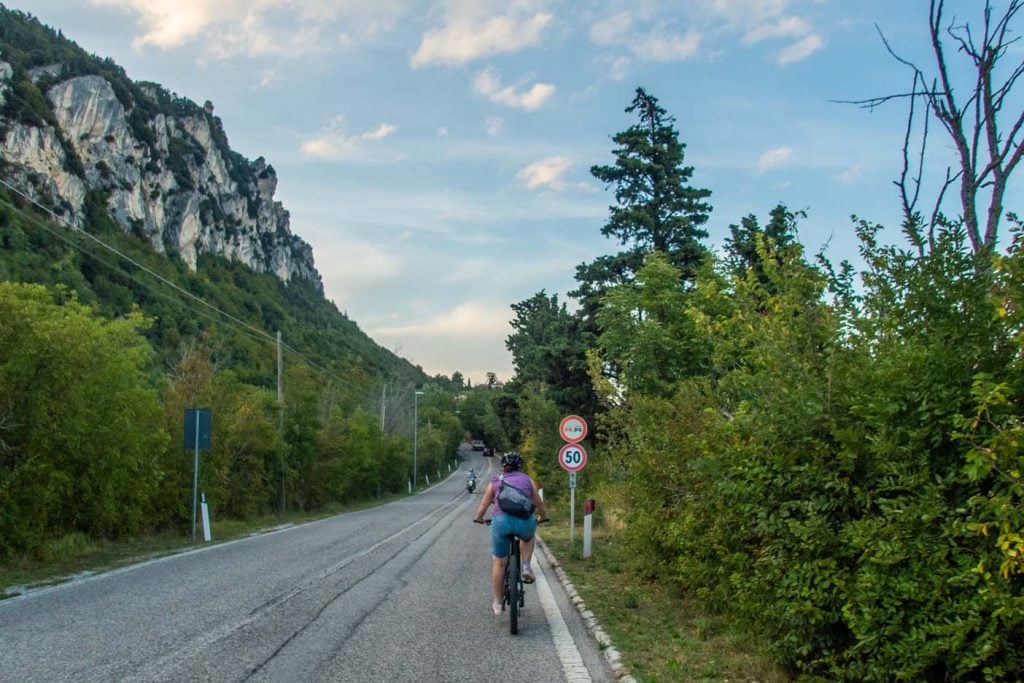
(661, 635)
(76, 554)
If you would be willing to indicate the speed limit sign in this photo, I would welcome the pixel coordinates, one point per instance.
(572, 457)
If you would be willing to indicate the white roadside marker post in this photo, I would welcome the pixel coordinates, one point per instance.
(588, 528)
(206, 520)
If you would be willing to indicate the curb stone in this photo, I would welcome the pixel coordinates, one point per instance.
(611, 655)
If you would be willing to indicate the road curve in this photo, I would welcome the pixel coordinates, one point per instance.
(399, 592)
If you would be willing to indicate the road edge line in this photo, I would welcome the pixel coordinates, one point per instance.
(608, 649)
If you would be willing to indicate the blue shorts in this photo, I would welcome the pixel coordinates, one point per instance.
(503, 525)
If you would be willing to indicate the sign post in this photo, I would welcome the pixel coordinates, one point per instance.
(572, 457)
(198, 426)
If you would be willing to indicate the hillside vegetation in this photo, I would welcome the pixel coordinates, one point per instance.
(104, 343)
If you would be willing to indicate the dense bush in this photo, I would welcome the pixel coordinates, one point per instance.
(844, 473)
(79, 420)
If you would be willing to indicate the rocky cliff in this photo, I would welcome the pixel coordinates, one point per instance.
(161, 163)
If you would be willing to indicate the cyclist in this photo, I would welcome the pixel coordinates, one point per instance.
(503, 524)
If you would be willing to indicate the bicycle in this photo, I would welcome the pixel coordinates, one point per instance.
(513, 593)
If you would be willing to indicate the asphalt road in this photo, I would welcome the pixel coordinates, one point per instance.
(395, 593)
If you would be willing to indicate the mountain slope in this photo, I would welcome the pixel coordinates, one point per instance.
(152, 173)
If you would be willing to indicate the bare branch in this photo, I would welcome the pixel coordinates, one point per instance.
(987, 153)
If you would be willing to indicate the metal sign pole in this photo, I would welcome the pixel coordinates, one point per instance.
(572, 508)
(195, 479)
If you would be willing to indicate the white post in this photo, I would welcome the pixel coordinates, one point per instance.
(410, 486)
(427, 477)
(588, 515)
(206, 520)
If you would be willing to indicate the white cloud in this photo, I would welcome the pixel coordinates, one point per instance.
(759, 21)
(442, 132)
(546, 173)
(466, 36)
(773, 159)
(785, 27)
(652, 42)
(618, 70)
(659, 47)
(334, 142)
(483, 318)
(494, 125)
(362, 265)
(801, 50)
(268, 78)
(747, 12)
(225, 29)
(488, 84)
(849, 175)
(613, 30)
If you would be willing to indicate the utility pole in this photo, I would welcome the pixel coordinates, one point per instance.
(280, 414)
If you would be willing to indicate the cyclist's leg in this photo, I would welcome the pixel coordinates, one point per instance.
(499, 554)
(526, 529)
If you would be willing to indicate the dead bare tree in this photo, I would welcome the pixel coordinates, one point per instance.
(986, 151)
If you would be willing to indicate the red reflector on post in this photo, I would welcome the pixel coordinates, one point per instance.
(588, 506)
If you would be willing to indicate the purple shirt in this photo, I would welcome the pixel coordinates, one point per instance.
(520, 480)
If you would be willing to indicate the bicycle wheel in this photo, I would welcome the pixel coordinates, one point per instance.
(512, 590)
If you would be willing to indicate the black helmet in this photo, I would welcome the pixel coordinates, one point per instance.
(512, 459)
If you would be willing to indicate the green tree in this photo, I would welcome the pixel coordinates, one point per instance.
(646, 332)
(548, 345)
(79, 420)
(748, 241)
(656, 209)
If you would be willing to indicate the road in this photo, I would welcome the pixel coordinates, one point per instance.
(399, 592)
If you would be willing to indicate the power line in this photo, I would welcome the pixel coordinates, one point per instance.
(242, 325)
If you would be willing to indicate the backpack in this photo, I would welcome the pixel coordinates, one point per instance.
(513, 501)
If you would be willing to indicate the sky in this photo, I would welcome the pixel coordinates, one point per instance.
(436, 154)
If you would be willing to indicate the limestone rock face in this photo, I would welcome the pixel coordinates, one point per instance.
(163, 166)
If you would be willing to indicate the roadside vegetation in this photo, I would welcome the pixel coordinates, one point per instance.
(804, 469)
(821, 459)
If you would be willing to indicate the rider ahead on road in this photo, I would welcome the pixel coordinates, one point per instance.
(503, 524)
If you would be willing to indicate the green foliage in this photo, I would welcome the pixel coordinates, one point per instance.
(655, 210)
(548, 345)
(645, 331)
(78, 423)
(540, 416)
(844, 476)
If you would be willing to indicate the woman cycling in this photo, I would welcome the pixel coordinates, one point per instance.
(503, 523)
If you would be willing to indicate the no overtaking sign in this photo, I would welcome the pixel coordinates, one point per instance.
(572, 428)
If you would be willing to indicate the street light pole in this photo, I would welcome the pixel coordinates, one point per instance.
(415, 430)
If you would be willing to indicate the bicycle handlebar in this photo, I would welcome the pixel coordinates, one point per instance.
(488, 521)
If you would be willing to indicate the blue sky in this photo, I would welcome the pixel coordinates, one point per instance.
(436, 154)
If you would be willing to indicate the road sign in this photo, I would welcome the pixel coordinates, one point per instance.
(198, 435)
(573, 428)
(572, 457)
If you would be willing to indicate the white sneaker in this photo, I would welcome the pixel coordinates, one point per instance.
(527, 574)
(496, 607)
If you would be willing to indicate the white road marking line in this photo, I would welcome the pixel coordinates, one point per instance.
(572, 663)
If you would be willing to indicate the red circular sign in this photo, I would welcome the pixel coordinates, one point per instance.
(573, 428)
(572, 457)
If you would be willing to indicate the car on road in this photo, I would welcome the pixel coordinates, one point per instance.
(489, 451)
(477, 444)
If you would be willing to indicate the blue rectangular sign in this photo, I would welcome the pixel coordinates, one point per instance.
(204, 416)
